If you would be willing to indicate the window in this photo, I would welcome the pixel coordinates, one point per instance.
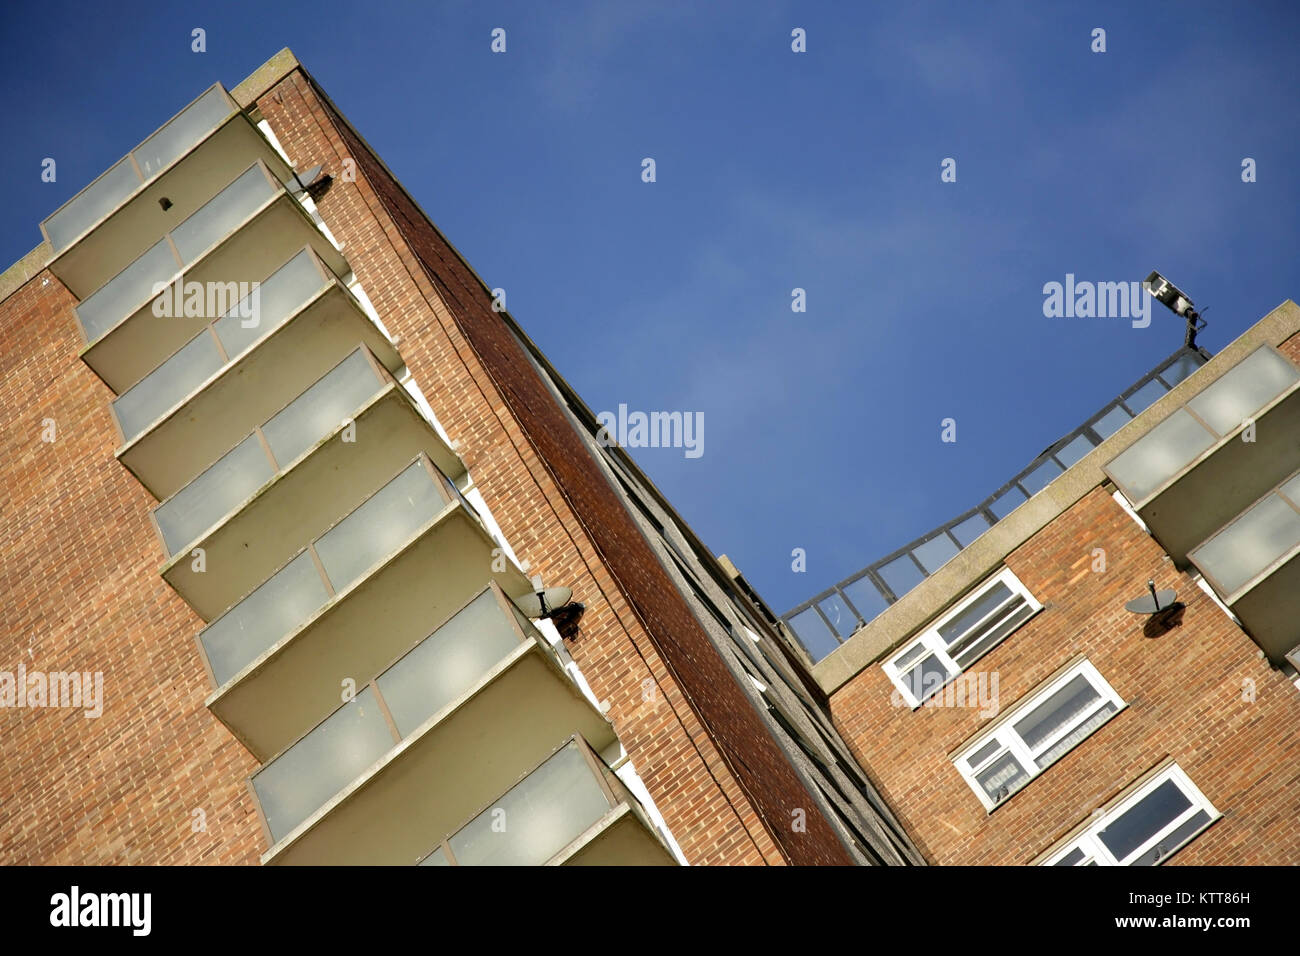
(1037, 732)
(1145, 828)
(966, 633)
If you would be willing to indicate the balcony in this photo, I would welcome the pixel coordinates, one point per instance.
(215, 389)
(294, 476)
(111, 222)
(177, 287)
(1253, 564)
(572, 810)
(437, 735)
(277, 656)
(1204, 464)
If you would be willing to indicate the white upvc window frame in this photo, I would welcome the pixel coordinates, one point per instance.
(935, 646)
(1005, 739)
(1096, 853)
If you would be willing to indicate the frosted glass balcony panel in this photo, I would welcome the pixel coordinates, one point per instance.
(226, 484)
(379, 526)
(536, 818)
(127, 291)
(145, 402)
(1291, 488)
(266, 308)
(221, 214)
(321, 408)
(92, 204)
(1243, 390)
(303, 779)
(447, 663)
(278, 607)
(1245, 548)
(1160, 454)
(180, 135)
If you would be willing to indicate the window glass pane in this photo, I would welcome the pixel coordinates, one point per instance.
(972, 614)
(1065, 706)
(379, 526)
(321, 408)
(1243, 549)
(927, 677)
(305, 777)
(436, 858)
(1053, 753)
(1291, 489)
(265, 309)
(1145, 397)
(1007, 502)
(1073, 858)
(279, 606)
(911, 655)
(1171, 841)
(92, 204)
(1074, 450)
(1159, 455)
(935, 552)
(983, 754)
(1144, 819)
(535, 819)
(1040, 477)
(211, 496)
(221, 214)
(901, 575)
(837, 612)
(1245, 389)
(866, 599)
(1003, 777)
(182, 133)
(127, 291)
(171, 382)
(447, 663)
(970, 529)
(813, 633)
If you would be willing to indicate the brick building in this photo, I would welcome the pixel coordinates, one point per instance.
(290, 623)
(1009, 705)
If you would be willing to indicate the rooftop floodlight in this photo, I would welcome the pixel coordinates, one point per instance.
(1176, 300)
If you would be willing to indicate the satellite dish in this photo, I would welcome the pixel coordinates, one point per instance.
(1153, 602)
(542, 603)
(310, 176)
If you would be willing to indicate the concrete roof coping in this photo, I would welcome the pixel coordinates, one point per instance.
(982, 558)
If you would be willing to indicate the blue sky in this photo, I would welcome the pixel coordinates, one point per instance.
(775, 170)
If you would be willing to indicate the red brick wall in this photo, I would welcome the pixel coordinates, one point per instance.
(1184, 696)
(80, 590)
(561, 515)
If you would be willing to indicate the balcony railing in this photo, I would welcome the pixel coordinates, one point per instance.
(571, 809)
(465, 711)
(1253, 564)
(832, 617)
(271, 449)
(246, 322)
(130, 175)
(1196, 470)
(139, 282)
(363, 538)
(291, 478)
